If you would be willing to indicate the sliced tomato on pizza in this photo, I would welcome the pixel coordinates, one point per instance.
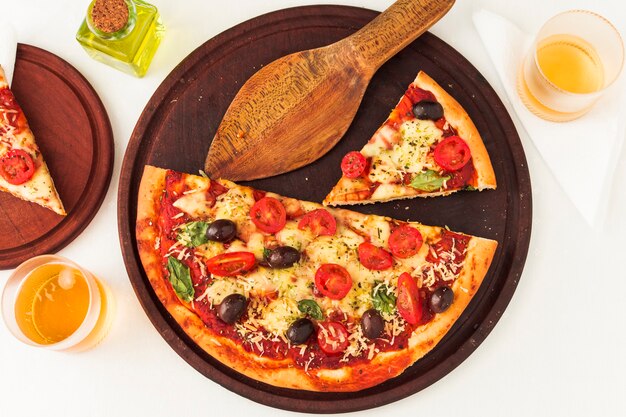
(428, 146)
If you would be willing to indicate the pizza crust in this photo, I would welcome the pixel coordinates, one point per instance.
(283, 373)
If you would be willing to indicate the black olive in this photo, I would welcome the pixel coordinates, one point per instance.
(232, 308)
(372, 324)
(428, 110)
(441, 299)
(300, 331)
(282, 257)
(221, 230)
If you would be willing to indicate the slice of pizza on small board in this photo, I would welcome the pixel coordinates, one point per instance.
(23, 171)
(428, 146)
(294, 294)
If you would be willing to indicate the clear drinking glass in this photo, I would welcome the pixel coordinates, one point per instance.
(53, 303)
(575, 57)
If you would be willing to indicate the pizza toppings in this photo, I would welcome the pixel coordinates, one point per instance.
(429, 181)
(405, 241)
(282, 257)
(428, 110)
(231, 264)
(441, 299)
(221, 230)
(17, 167)
(452, 153)
(332, 337)
(357, 310)
(269, 215)
(383, 298)
(232, 308)
(372, 324)
(311, 309)
(353, 164)
(408, 301)
(333, 281)
(300, 331)
(319, 221)
(374, 258)
(180, 278)
(192, 234)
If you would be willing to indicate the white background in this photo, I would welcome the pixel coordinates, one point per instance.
(558, 350)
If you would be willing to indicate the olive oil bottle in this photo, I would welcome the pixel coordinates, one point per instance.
(124, 34)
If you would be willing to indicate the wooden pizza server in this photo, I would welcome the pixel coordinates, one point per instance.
(295, 109)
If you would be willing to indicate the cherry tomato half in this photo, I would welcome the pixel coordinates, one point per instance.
(405, 241)
(353, 164)
(452, 153)
(408, 301)
(269, 215)
(332, 337)
(374, 258)
(17, 167)
(231, 264)
(333, 281)
(320, 222)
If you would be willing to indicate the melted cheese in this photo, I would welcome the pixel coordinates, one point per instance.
(195, 204)
(279, 314)
(221, 288)
(290, 235)
(411, 154)
(235, 205)
(338, 249)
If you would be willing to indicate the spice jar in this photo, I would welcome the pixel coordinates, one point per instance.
(124, 34)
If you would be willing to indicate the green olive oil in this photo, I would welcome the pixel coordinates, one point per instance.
(131, 48)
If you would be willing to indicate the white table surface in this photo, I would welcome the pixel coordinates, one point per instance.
(558, 350)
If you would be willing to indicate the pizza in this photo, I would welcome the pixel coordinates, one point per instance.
(23, 171)
(298, 295)
(428, 146)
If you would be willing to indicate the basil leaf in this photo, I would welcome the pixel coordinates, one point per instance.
(310, 308)
(470, 188)
(193, 234)
(383, 299)
(428, 181)
(180, 279)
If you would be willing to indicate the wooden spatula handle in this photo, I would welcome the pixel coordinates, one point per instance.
(394, 29)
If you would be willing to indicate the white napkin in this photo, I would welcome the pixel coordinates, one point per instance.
(583, 153)
(8, 48)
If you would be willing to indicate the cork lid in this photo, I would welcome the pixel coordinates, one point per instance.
(109, 16)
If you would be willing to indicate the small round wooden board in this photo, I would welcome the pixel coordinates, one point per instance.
(72, 130)
(178, 123)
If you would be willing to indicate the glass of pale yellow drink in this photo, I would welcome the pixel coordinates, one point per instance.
(575, 57)
(52, 302)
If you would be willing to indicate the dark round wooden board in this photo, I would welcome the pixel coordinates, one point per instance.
(178, 123)
(72, 130)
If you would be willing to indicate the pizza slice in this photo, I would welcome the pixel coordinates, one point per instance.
(296, 295)
(428, 146)
(23, 171)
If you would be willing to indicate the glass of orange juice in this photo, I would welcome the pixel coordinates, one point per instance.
(575, 57)
(52, 302)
